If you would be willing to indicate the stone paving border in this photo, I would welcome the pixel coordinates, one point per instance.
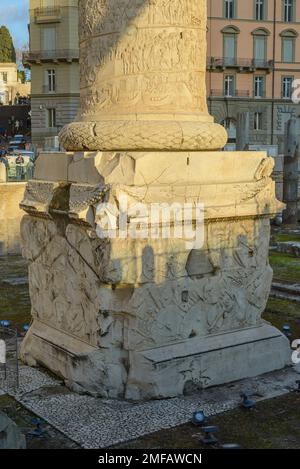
(101, 423)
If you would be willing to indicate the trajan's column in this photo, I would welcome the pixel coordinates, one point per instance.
(153, 315)
(143, 65)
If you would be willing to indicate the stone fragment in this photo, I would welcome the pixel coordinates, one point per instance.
(54, 169)
(10, 435)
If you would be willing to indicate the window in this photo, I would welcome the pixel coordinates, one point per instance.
(49, 39)
(3, 77)
(260, 37)
(50, 81)
(287, 87)
(258, 121)
(229, 52)
(260, 10)
(259, 86)
(288, 10)
(229, 9)
(287, 49)
(51, 117)
(229, 87)
(288, 41)
(259, 49)
(230, 126)
(230, 36)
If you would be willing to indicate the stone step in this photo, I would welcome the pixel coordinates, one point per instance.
(293, 288)
(286, 291)
(289, 247)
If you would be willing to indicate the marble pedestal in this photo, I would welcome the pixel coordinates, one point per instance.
(150, 318)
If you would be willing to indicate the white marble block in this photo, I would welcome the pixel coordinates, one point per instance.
(148, 318)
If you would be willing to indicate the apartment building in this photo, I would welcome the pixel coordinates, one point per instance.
(253, 60)
(11, 87)
(54, 61)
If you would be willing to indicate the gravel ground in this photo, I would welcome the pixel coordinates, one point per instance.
(101, 423)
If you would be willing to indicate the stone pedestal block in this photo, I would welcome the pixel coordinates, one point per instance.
(152, 317)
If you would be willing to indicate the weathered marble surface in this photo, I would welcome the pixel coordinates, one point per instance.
(11, 194)
(101, 305)
(143, 66)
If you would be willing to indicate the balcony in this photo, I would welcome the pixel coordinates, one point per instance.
(63, 55)
(233, 94)
(250, 65)
(47, 15)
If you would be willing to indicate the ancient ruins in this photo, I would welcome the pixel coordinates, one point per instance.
(153, 317)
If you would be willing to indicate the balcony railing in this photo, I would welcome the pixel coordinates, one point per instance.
(51, 55)
(233, 94)
(232, 62)
(47, 14)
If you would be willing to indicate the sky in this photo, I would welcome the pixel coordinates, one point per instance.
(14, 14)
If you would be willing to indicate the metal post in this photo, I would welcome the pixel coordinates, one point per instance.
(291, 171)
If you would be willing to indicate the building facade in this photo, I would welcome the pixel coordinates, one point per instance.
(253, 59)
(54, 61)
(12, 90)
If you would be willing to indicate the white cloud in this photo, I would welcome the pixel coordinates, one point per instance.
(16, 12)
(15, 16)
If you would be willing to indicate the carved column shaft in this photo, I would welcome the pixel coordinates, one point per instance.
(143, 65)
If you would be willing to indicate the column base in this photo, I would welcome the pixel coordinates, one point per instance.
(162, 372)
(187, 367)
(143, 135)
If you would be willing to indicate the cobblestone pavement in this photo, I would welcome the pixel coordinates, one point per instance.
(100, 423)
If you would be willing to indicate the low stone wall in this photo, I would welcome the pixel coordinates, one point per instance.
(11, 195)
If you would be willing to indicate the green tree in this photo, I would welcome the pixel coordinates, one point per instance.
(7, 49)
(21, 76)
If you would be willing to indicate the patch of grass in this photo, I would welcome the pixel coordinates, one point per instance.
(279, 312)
(285, 237)
(286, 267)
(14, 290)
(284, 307)
(272, 424)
